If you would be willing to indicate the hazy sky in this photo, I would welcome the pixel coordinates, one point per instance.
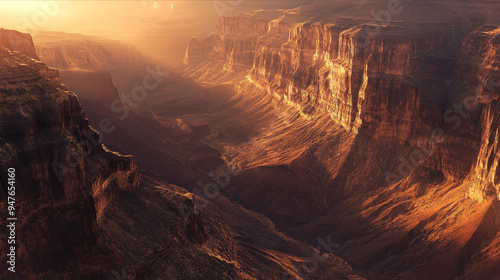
(97, 17)
(84, 16)
(158, 27)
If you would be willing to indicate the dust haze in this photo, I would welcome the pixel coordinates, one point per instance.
(160, 29)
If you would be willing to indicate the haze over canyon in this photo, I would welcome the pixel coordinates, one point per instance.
(301, 139)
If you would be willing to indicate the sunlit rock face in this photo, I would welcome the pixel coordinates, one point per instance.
(387, 69)
(376, 85)
(480, 67)
(324, 69)
(18, 42)
(397, 99)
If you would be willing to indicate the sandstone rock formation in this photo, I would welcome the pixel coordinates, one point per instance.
(17, 41)
(391, 135)
(63, 172)
(481, 53)
(372, 124)
(85, 212)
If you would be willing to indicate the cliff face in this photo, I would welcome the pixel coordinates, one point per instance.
(376, 85)
(417, 107)
(395, 79)
(18, 42)
(61, 167)
(481, 53)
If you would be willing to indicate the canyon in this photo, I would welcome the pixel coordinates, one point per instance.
(86, 212)
(368, 126)
(389, 143)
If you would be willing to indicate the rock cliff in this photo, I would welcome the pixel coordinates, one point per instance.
(385, 85)
(17, 41)
(392, 123)
(481, 54)
(63, 173)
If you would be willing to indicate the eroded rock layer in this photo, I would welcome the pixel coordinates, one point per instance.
(481, 55)
(390, 140)
(385, 83)
(63, 173)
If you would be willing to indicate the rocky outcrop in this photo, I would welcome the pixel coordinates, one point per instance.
(380, 85)
(61, 167)
(480, 55)
(18, 42)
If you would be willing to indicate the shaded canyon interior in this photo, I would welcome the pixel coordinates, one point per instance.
(318, 139)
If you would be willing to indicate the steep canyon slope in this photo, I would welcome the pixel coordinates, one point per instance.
(112, 80)
(85, 212)
(382, 131)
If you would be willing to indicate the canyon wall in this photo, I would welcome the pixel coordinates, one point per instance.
(409, 182)
(481, 56)
(17, 41)
(396, 80)
(63, 173)
(375, 85)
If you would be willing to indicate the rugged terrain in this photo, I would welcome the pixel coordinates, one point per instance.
(85, 212)
(384, 129)
(371, 124)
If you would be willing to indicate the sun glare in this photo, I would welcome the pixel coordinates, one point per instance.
(15, 10)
